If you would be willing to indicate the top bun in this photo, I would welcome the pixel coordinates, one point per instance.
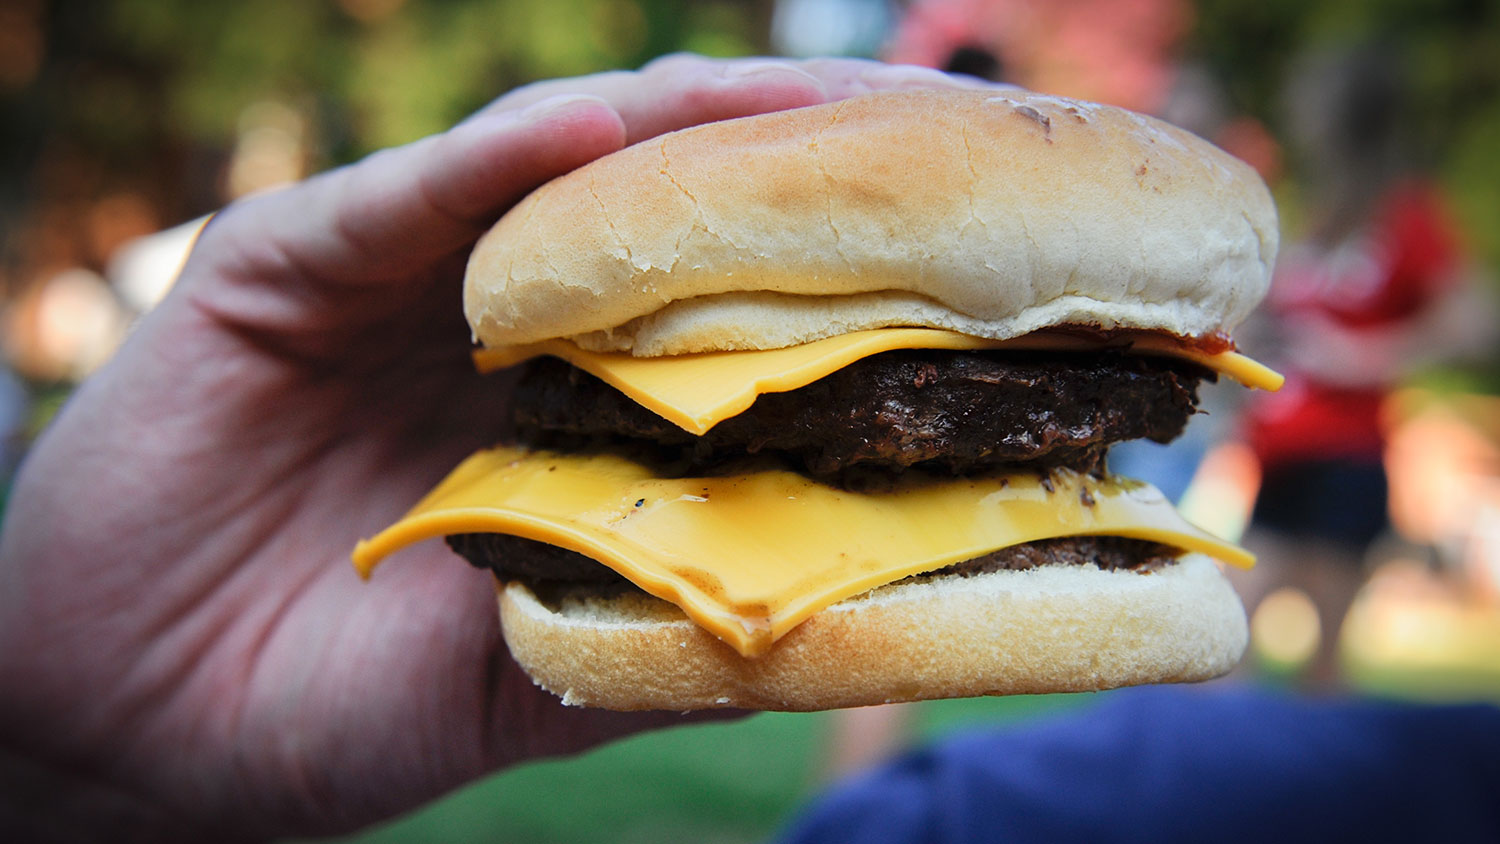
(989, 212)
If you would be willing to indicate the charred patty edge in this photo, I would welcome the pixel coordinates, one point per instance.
(958, 412)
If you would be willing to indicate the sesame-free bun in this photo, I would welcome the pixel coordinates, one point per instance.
(990, 212)
(1050, 629)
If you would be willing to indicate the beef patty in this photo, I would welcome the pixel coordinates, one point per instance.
(958, 412)
(951, 411)
(547, 567)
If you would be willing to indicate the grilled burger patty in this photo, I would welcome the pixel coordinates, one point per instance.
(951, 411)
(544, 566)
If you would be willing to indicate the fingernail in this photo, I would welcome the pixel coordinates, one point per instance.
(913, 76)
(757, 67)
(542, 109)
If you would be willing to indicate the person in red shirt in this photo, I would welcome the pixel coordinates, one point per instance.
(1353, 305)
(1346, 310)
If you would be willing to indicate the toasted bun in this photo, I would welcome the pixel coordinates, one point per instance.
(1051, 629)
(989, 212)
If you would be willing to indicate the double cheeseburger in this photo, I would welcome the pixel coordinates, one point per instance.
(817, 403)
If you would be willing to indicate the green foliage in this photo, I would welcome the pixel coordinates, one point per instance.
(726, 783)
(385, 79)
(732, 782)
(1472, 177)
(218, 58)
(1448, 49)
(371, 79)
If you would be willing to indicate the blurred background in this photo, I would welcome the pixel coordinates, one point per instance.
(127, 122)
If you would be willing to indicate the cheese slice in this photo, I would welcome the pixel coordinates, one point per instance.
(752, 555)
(698, 391)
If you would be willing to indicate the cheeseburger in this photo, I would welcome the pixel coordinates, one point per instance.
(817, 405)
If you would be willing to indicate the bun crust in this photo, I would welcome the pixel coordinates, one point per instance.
(1050, 629)
(989, 212)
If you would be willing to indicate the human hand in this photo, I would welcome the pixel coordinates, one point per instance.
(184, 647)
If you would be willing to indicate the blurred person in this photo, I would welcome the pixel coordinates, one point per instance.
(1372, 289)
(185, 650)
(973, 60)
(1110, 51)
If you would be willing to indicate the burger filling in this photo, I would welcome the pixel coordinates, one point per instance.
(959, 412)
(550, 570)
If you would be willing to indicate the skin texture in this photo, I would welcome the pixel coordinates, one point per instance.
(185, 650)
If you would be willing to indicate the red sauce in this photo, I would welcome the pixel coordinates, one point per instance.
(1210, 344)
(1213, 344)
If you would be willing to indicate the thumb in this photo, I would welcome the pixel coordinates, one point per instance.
(400, 211)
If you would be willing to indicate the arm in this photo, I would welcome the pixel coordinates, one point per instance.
(184, 647)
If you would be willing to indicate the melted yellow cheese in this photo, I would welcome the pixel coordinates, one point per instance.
(698, 391)
(750, 556)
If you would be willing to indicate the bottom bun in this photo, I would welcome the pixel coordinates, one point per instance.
(1048, 629)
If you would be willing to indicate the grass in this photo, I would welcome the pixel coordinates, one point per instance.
(711, 783)
(742, 781)
(716, 783)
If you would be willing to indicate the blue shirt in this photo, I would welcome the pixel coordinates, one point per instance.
(1166, 764)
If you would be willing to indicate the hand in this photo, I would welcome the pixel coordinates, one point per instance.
(184, 646)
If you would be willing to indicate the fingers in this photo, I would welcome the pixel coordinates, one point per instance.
(681, 91)
(684, 90)
(844, 78)
(400, 210)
